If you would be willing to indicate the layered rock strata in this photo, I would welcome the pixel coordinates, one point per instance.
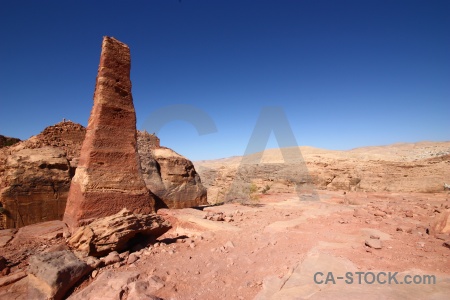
(108, 176)
(35, 184)
(113, 233)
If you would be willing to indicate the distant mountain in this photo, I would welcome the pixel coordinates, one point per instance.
(406, 167)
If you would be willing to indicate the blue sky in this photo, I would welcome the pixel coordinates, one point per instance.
(346, 73)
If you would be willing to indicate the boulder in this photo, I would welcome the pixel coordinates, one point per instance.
(54, 273)
(108, 176)
(113, 233)
(169, 175)
(34, 186)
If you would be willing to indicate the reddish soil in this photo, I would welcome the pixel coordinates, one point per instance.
(272, 240)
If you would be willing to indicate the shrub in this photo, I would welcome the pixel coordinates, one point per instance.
(265, 189)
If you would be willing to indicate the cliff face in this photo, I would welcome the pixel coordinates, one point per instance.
(35, 186)
(35, 175)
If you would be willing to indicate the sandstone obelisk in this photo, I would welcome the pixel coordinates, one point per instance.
(108, 176)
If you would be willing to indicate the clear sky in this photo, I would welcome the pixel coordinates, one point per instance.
(346, 73)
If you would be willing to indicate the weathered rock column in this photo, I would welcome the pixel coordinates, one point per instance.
(108, 177)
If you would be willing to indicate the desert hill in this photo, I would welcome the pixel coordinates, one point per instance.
(402, 167)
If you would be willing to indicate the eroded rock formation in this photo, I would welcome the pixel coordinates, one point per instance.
(108, 176)
(65, 135)
(35, 186)
(112, 233)
(169, 175)
(35, 175)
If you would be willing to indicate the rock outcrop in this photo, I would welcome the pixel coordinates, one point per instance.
(35, 184)
(108, 176)
(113, 233)
(66, 135)
(170, 176)
(31, 170)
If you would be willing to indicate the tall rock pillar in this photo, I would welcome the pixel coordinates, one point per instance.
(108, 176)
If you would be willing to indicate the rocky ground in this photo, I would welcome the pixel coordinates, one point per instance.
(268, 250)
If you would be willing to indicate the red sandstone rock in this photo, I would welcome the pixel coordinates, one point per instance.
(35, 175)
(169, 175)
(34, 186)
(113, 233)
(65, 135)
(53, 274)
(108, 176)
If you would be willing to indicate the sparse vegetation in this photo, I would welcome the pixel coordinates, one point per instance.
(265, 189)
(7, 141)
(11, 142)
(248, 194)
(253, 188)
(253, 193)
